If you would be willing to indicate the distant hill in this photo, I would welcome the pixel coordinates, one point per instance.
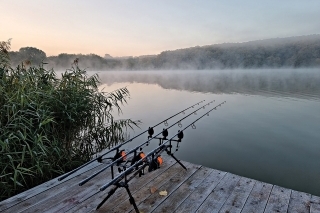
(295, 52)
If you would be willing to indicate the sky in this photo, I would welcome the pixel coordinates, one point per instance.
(133, 28)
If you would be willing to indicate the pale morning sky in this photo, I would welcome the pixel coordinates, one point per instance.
(136, 27)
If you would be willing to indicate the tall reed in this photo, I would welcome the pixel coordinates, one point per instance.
(50, 125)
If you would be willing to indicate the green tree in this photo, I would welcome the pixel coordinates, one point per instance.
(32, 54)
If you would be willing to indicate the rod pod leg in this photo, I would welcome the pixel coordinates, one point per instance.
(131, 199)
(111, 192)
(176, 159)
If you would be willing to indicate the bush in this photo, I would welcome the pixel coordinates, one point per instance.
(50, 125)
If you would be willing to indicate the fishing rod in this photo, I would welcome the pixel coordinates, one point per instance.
(119, 145)
(121, 156)
(144, 161)
(180, 133)
(118, 184)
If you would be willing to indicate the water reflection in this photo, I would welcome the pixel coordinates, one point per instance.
(268, 130)
(283, 83)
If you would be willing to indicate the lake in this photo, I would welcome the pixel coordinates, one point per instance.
(269, 128)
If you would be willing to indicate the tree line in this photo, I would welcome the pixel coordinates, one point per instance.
(295, 52)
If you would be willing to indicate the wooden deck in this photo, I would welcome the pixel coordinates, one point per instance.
(199, 189)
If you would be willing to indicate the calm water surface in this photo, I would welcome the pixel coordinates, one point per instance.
(268, 130)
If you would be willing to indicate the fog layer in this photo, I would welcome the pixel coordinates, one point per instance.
(300, 83)
(293, 52)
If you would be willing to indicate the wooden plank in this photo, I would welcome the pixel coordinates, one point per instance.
(237, 199)
(154, 200)
(278, 200)
(178, 196)
(220, 194)
(192, 203)
(47, 194)
(315, 204)
(198, 189)
(145, 192)
(6, 204)
(258, 198)
(72, 196)
(299, 202)
(121, 196)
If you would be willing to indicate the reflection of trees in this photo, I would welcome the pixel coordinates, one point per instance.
(276, 83)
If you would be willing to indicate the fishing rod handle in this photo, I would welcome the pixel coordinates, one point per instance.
(122, 174)
(108, 166)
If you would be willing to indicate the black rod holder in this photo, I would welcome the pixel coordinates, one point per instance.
(119, 145)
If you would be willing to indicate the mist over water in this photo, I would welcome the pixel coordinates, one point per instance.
(303, 83)
(268, 130)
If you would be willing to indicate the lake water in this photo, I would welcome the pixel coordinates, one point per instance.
(269, 128)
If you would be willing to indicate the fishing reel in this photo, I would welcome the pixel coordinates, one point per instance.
(137, 157)
(121, 154)
(155, 163)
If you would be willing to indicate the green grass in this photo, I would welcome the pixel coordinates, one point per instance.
(50, 125)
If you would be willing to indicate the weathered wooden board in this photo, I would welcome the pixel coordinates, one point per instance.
(198, 189)
(121, 195)
(315, 204)
(145, 192)
(47, 194)
(258, 198)
(154, 200)
(278, 200)
(178, 196)
(239, 195)
(299, 202)
(17, 199)
(71, 197)
(192, 203)
(220, 194)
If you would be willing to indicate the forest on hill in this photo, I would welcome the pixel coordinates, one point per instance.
(292, 52)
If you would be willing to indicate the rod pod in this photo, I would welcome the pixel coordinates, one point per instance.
(119, 145)
(139, 146)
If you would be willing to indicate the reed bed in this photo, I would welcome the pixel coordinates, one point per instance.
(50, 125)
